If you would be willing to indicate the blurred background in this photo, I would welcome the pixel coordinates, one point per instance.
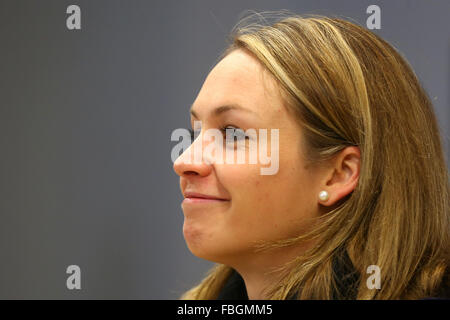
(85, 122)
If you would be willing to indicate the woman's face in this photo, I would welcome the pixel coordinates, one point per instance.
(256, 207)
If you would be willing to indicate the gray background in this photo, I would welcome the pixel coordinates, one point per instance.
(85, 122)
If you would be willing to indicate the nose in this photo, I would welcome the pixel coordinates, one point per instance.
(187, 165)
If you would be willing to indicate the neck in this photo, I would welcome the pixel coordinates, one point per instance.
(256, 284)
(259, 272)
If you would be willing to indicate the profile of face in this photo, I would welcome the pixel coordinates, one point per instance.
(253, 207)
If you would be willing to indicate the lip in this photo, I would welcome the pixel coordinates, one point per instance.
(200, 198)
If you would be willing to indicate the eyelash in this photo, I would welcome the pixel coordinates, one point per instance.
(224, 131)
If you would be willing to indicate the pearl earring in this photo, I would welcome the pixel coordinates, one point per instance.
(323, 195)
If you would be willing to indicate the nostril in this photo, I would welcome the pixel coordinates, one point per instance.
(190, 173)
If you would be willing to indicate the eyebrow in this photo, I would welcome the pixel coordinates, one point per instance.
(222, 109)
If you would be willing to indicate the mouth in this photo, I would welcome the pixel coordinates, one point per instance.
(199, 198)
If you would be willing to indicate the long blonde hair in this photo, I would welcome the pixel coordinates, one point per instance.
(347, 86)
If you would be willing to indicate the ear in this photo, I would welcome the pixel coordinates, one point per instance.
(342, 177)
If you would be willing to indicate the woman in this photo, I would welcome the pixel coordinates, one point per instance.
(358, 208)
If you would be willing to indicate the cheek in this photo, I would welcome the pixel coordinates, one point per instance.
(249, 193)
(264, 206)
(284, 208)
(245, 185)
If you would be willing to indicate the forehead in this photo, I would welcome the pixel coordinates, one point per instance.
(239, 78)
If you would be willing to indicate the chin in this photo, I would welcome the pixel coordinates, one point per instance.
(206, 250)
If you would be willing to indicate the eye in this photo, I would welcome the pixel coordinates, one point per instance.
(232, 133)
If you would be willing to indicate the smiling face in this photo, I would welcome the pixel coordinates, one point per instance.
(256, 207)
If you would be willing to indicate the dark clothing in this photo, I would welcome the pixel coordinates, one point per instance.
(234, 288)
(345, 276)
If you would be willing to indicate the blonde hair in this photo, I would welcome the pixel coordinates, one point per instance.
(347, 86)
